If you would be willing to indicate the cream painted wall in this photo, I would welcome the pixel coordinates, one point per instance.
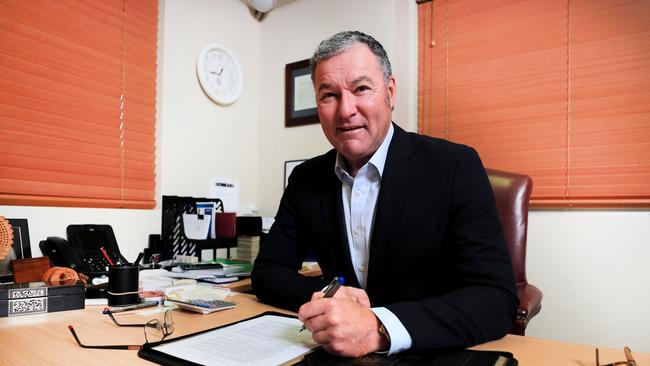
(199, 138)
(591, 265)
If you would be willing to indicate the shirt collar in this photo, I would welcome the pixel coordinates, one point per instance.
(378, 159)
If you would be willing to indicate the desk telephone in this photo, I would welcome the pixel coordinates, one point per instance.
(82, 251)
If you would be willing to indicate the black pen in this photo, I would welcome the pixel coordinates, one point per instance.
(329, 291)
(137, 260)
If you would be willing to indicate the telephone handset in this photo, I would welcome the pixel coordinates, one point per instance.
(60, 253)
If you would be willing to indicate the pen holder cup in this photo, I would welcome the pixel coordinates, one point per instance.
(123, 285)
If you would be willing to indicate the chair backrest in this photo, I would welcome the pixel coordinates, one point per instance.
(512, 193)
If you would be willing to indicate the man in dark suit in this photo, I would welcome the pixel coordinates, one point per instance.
(409, 221)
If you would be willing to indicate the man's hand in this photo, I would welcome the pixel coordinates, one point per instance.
(344, 324)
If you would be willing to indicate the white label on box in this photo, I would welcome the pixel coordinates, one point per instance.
(36, 305)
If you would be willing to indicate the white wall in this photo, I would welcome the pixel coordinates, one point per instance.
(591, 266)
(199, 138)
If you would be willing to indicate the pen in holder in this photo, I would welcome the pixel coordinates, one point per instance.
(123, 283)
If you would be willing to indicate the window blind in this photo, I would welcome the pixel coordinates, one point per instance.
(77, 103)
(558, 90)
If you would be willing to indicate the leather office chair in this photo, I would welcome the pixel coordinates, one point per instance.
(512, 193)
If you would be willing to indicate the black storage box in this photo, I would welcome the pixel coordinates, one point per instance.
(40, 297)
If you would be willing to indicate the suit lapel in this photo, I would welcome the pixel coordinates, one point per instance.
(396, 180)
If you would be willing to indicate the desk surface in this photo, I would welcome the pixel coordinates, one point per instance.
(44, 339)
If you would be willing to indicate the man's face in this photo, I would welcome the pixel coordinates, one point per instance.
(354, 103)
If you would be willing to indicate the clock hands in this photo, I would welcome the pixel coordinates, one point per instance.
(217, 73)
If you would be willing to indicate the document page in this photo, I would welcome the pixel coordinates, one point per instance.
(267, 340)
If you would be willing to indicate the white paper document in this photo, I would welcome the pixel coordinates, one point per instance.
(267, 340)
(304, 96)
(195, 228)
(227, 190)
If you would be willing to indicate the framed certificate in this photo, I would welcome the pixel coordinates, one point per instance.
(300, 99)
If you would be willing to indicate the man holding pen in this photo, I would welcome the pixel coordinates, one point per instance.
(409, 221)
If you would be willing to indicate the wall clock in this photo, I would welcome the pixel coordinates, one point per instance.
(219, 74)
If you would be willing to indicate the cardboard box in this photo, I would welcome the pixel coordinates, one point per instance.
(40, 297)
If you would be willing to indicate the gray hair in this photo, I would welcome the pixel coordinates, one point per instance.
(341, 41)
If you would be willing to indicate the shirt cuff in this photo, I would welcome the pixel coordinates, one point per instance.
(400, 339)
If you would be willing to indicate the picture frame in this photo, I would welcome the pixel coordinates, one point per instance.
(22, 246)
(289, 165)
(300, 98)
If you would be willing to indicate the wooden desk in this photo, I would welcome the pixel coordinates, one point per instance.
(44, 339)
(538, 351)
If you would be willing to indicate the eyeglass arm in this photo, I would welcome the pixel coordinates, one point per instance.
(128, 347)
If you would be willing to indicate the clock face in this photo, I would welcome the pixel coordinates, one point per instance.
(219, 74)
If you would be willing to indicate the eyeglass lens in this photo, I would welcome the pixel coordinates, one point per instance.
(154, 331)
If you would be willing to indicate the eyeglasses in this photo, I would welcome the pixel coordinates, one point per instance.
(108, 312)
(154, 331)
(628, 356)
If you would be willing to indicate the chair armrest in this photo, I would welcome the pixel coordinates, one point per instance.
(530, 303)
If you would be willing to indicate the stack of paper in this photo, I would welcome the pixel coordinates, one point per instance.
(215, 275)
(248, 247)
(203, 277)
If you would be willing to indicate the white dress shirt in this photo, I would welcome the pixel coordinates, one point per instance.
(359, 204)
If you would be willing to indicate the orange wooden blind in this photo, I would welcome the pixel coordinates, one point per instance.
(77, 102)
(558, 90)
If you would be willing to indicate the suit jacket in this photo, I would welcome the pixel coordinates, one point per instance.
(438, 258)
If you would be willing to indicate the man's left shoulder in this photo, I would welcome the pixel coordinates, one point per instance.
(430, 145)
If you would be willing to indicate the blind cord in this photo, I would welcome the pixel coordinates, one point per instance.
(568, 104)
(123, 105)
